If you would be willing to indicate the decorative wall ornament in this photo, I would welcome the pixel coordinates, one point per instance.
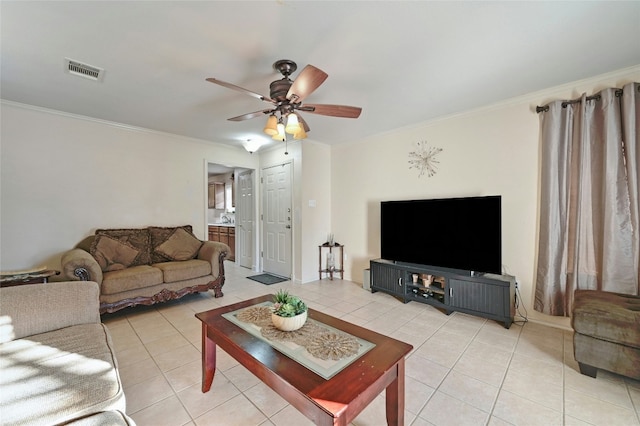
(423, 159)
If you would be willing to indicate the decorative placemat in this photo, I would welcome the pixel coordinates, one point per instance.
(319, 347)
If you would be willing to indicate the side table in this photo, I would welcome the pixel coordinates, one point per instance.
(329, 268)
(26, 277)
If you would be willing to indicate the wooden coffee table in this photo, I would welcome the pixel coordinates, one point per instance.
(336, 401)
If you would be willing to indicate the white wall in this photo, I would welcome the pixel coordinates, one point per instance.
(63, 176)
(316, 188)
(490, 151)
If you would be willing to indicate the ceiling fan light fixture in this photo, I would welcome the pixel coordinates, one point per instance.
(293, 126)
(286, 97)
(301, 134)
(280, 136)
(271, 128)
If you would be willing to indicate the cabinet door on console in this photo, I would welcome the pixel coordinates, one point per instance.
(388, 278)
(479, 296)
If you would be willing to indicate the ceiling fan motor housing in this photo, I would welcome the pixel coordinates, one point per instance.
(279, 89)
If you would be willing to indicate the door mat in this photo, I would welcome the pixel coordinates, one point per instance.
(267, 279)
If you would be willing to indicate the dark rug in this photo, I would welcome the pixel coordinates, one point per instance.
(268, 279)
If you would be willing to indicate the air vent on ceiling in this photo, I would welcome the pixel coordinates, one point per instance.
(83, 70)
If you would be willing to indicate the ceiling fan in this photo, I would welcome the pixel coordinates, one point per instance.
(286, 97)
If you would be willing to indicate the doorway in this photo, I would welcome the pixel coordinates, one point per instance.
(276, 220)
(232, 208)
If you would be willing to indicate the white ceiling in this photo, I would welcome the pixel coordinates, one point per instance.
(402, 62)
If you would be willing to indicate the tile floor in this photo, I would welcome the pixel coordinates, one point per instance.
(463, 370)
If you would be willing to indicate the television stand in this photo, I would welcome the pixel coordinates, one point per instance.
(489, 296)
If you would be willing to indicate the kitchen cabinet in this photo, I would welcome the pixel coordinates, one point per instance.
(217, 195)
(226, 235)
(231, 193)
(232, 243)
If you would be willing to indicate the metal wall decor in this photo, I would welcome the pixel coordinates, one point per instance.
(423, 159)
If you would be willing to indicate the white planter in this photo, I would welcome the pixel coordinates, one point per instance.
(289, 323)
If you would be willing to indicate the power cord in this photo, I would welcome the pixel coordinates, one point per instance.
(516, 302)
(517, 306)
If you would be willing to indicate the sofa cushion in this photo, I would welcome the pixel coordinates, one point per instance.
(54, 377)
(177, 287)
(607, 316)
(113, 254)
(158, 236)
(185, 270)
(137, 238)
(130, 279)
(181, 245)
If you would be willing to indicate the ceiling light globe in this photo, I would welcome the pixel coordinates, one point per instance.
(271, 127)
(280, 136)
(293, 126)
(301, 134)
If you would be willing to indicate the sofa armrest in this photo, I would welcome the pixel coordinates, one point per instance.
(37, 308)
(212, 251)
(77, 264)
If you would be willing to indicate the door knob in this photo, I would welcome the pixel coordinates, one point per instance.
(288, 226)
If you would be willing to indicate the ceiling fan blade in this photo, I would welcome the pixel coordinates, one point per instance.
(307, 81)
(251, 115)
(333, 110)
(239, 89)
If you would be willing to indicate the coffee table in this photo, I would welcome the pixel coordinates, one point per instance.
(336, 401)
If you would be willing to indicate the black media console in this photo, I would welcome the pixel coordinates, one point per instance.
(488, 295)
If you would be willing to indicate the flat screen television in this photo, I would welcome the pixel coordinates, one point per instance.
(456, 233)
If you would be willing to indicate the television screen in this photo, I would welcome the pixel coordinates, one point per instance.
(457, 233)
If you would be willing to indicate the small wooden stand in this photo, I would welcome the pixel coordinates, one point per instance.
(338, 268)
(27, 277)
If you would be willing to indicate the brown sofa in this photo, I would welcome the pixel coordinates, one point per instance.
(606, 332)
(146, 266)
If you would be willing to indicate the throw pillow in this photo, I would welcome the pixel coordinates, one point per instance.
(86, 243)
(112, 254)
(158, 236)
(181, 245)
(136, 238)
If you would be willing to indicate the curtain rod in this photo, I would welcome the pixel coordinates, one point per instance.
(545, 108)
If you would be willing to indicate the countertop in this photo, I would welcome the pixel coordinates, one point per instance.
(230, 225)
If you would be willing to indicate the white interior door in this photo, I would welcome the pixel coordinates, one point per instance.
(276, 220)
(245, 221)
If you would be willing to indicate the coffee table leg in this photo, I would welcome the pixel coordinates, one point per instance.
(208, 360)
(395, 397)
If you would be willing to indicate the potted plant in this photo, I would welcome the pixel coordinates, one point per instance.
(289, 311)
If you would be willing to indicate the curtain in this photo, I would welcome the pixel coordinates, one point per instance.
(589, 201)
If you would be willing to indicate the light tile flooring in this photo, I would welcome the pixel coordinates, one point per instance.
(463, 370)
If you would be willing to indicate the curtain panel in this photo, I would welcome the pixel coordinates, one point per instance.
(589, 201)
